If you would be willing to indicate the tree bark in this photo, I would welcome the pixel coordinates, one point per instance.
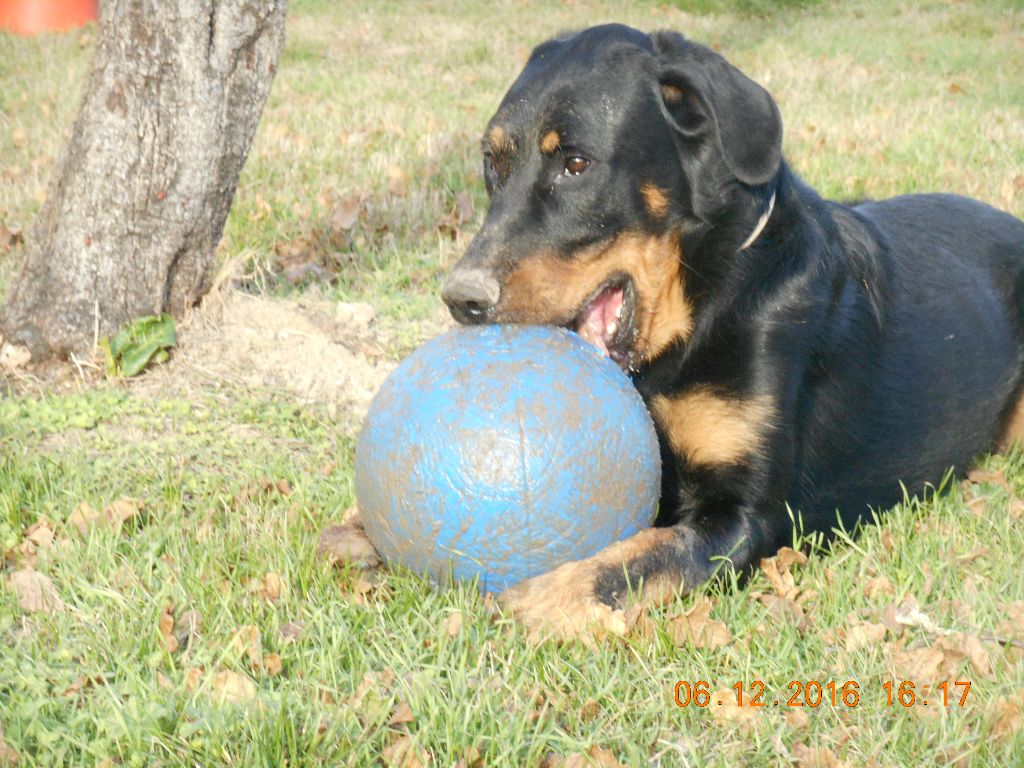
(140, 194)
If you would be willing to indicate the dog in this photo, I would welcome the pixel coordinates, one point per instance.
(804, 361)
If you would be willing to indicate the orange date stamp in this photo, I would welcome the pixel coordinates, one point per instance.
(812, 693)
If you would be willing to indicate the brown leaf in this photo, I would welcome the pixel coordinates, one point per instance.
(8, 757)
(272, 664)
(814, 757)
(165, 626)
(1008, 718)
(83, 517)
(396, 180)
(453, 624)
(186, 628)
(245, 643)
(345, 214)
(230, 687)
(728, 709)
(84, 683)
(402, 714)
(979, 476)
(697, 627)
(347, 544)
(973, 555)
(956, 88)
(864, 635)
(1013, 623)
(164, 681)
(292, 631)
(786, 609)
(403, 753)
(604, 758)
(781, 579)
(41, 533)
(121, 511)
(271, 587)
(35, 592)
(796, 718)
(928, 664)
(876, 586)
(590, 710)
(193, 676)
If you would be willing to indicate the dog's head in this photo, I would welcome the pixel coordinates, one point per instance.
(607, 154)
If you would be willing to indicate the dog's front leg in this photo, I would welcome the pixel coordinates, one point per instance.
(580, 596)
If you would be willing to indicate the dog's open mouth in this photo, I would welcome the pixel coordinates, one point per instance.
(606, 320)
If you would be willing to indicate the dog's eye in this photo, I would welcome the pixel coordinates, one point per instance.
(575, 165)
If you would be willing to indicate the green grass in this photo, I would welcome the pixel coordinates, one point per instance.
(865, 91)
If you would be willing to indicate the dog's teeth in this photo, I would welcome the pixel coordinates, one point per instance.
(612, 327)
(618, 312)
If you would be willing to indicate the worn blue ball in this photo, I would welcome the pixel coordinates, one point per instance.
(500, 452)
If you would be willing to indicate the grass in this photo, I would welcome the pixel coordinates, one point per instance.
(385, 101)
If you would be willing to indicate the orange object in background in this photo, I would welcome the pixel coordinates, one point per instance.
(30, 17)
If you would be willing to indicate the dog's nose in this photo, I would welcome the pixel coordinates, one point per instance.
(470, 294)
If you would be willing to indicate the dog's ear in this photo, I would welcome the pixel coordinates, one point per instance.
(702, 94)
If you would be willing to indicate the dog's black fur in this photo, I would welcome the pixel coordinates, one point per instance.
(846, 350)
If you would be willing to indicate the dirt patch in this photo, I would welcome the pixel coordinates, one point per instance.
(312, 350)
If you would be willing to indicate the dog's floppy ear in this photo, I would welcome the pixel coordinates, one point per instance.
(703, 94)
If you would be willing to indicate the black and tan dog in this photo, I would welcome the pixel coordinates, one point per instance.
(793, 351)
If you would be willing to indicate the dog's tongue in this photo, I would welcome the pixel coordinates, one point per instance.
(599, 321)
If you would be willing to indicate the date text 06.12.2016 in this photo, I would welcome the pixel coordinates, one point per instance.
(812, 693)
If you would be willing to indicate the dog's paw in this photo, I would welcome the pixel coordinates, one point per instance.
(562, 605)
(346, 543)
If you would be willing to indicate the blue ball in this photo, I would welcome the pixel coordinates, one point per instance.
(500, 452)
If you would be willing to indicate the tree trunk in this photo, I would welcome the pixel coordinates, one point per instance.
(141, 192)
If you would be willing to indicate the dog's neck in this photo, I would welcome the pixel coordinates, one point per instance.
(760, 224)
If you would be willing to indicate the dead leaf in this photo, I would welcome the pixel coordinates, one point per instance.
(121, 511)
(35, 592)
(403, 753)
(1013, 623)
(969, 647)
(728, 709)
(230, 687)
(1008, 718)
(786, 609)
(814, 757)
(245, 643)
(164, 681)
(186, 628)
(453, 624)
(396, 180)
(165, 626)
(345, 214)
(697, 627)
(927, 664)
(590, 710)
(402, 715)
(997, 477)
(272, 664)
(270, 588)
(344, 544)
(796, 718)
(84, 683)
(956, 88)
(292, 631)
(973, 555)
(864, 635)
(777, 570)
(193, 676)
(602, 757)
(83, 517)
(876, 586)
(8, 757)
(41, 533)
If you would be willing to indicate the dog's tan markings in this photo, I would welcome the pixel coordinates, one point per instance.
(710, 429)
(655, 200)
(550, 142)
(1013, 429)
(671, 94)
(548, 289)
(561, 604)
(500, 140)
